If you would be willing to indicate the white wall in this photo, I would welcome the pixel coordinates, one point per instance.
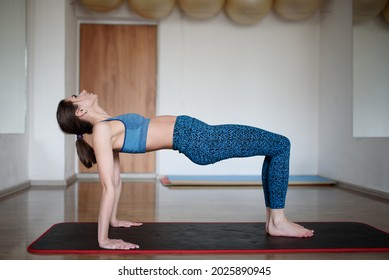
(371, 78)
(71, 80)
(13, 66)
(39, 154)
(46, 88)
(264, 75)
(357, 161)
(13, 144)
(14, 161)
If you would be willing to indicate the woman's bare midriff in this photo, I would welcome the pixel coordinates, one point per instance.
(160, 133)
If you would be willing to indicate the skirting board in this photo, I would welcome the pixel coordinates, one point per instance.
(14, 189)
(238, 180)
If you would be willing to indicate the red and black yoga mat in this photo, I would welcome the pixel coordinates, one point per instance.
(211, 238)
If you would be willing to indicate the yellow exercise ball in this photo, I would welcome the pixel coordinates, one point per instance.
(247, 11)
(385, 13)
(101, 5)
(296, 9)
(152, 9)
(201, 9)
(367, 9)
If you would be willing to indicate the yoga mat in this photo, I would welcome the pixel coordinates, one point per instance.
(211, 238)
(235, 180)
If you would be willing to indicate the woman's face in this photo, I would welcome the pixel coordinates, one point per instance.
(84, 100)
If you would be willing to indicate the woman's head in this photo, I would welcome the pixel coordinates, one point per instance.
(70, 123)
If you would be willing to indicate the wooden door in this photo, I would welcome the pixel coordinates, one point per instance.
(118, 63)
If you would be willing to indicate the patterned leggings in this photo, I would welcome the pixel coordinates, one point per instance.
(206, 144)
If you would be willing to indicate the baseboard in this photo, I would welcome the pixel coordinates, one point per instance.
(147, 176)
(54, 183)
(72, 179)
(364, 190)
(15, 189)
(50, 183)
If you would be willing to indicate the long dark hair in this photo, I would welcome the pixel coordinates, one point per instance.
(71, 124)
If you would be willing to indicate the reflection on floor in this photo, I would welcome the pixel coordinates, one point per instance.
(27, 214)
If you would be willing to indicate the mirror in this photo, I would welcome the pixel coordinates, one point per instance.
(371, 72)
(12, 66)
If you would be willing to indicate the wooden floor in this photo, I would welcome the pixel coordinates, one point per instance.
(27, 214)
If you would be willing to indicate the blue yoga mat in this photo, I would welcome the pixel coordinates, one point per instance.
(239, 180)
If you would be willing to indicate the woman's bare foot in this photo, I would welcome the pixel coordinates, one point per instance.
(278, 225)
(117, 244)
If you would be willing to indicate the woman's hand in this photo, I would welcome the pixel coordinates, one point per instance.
(117, 244)
(119, 223)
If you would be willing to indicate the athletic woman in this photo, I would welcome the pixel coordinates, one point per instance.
(201, 143)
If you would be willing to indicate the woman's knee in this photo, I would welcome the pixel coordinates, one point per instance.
(285, 143)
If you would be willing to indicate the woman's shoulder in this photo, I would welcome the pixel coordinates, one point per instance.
(101, 129)
(101, 137)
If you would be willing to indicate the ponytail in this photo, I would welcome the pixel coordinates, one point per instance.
(85, 152)
(71, 124)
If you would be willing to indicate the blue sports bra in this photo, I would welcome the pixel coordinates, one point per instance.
(135, 135)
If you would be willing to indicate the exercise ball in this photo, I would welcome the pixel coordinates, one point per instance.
(247, 11)
(152, 9)
(296, 9)
(385, 13)
(201, 9)
(101, 5)
(367, 9)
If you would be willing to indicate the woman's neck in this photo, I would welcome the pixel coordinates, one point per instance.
(97, 115)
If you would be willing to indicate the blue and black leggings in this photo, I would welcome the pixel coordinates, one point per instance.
(206, 144)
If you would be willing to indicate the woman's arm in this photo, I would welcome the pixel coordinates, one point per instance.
(118, 189)
(105, 161)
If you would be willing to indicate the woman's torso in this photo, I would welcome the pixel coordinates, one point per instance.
(132, 133)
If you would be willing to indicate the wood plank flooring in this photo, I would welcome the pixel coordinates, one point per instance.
(27, 214)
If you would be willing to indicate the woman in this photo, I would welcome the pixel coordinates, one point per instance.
(201, 143)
